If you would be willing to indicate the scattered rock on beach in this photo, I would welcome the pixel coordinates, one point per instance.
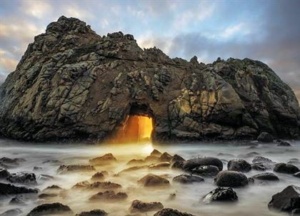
(139, 206)
(231, 179)
(50, 209)
(221, 194)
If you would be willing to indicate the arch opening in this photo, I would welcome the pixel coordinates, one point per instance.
(137, 126)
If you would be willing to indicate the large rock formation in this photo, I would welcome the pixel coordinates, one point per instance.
(73, 83)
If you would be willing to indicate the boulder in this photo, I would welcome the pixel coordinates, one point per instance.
(75, 168)
(283, 143)
(141, 207)
(231, 179)
(221, 194)
(265, 137)
(191, 164)
(103, 160)
(22, 178)
(285, 168)
(4, 173)
(109, 196)
(187, 179)
(151, 180)
(266, 177)
(47, 195)
(239, 165)
(17, 200)
(171, 212)
(9, 189)
(74, 84)
(155, 153)
(295, 212)
(50, 209)
(165, 157)
(261, 159)
(206, 171)
(97, 185)
(99, 176)
(286, 200)
(95, 212)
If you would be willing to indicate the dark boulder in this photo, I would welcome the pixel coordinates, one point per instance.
(97, 185)
(165, 157)
(50, 209)
(103, 160)
(12, 212)
(47, 195)
(177, 157)
(261, 159)
(95, 212)
(283, 143)
(221, 194)
(109, 196)
(265, 137)
(187, 179)
(155, 153)
(4, 173)
(206, 171)
(260, 166)
(191, 164)
(285, 168)
(139, 206)
(9, 189)
(18, 200)
(266, 177)
(22, 178)
(231, 179)
(75, 168)
(151, 180)
(286, 200)
(239, 165)
(171, 212)
(99, 176)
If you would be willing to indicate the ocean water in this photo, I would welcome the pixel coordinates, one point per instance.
(253, 199)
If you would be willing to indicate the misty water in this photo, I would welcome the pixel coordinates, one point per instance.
(253, 199)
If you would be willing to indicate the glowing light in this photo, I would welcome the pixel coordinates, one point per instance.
(135, 129)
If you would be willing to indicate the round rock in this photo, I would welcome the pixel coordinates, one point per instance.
(231, 179)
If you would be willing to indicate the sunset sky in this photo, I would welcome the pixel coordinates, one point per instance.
(265, 30)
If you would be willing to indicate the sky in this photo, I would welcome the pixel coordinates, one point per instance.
(265, 30)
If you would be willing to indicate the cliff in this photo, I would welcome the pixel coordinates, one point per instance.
(72, 83)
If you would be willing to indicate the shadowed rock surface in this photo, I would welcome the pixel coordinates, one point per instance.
(9, 189)
(286, 200)
(139, 206)
(221, 194)
(50, 209)
(74, 84)
(171, 212)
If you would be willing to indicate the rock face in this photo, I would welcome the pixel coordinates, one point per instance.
(72, 83)
(287, 200)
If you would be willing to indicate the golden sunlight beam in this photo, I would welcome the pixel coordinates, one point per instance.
(135, 129)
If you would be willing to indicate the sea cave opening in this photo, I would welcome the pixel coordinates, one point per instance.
(137, 126)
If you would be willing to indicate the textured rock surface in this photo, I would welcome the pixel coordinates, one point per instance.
(286, 200)
(72, 83)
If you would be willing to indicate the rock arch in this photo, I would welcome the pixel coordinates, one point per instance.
(73, 83)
